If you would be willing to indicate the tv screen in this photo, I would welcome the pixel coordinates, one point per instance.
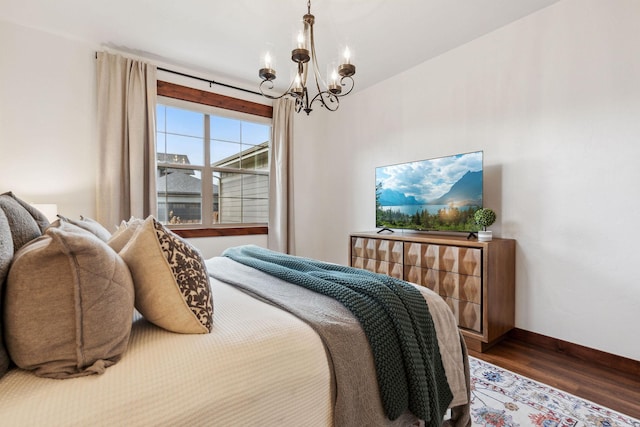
(440, 194)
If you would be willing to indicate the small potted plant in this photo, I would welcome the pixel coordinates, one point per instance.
(484, 217)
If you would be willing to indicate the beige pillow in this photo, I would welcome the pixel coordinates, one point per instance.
(124, 233)
(68, 304)
(170, 279)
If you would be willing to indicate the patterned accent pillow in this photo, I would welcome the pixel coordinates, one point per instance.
(170, 279)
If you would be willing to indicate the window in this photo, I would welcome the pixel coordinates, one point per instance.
(213, 166)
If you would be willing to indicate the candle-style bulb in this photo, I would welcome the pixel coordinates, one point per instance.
(347, 55)
(300, 40)
(334, 87)
(297, 90)
(347, 69)
(267, 72)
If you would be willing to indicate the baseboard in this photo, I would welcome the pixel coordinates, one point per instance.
(619, 363)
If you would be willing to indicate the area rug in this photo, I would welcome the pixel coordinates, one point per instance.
(500, 398)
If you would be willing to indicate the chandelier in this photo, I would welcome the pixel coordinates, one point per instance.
(304, 55)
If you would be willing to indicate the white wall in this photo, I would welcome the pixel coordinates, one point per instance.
(47, 119)
(554, 102)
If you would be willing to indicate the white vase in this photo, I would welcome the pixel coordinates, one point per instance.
(484, 236)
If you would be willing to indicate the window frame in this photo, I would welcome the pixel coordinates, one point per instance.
(172, 94)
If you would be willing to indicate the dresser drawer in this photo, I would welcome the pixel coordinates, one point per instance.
(446, 284)
(378, 249)
(444, 258)
(468, 315)
(392, 269)
(460, 286)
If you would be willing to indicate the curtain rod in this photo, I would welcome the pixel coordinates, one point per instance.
(211, 82)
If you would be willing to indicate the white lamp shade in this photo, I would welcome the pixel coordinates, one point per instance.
(49, 210)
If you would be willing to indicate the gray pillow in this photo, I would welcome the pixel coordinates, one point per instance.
(90, 225)
(19, 224)
(68, 304)
(25, 221)
(6, 255)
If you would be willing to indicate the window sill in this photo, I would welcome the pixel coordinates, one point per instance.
(220, 231)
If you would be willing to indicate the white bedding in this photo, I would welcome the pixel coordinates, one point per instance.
(260, 366)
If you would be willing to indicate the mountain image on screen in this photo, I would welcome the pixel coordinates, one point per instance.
(466, 192)
(390, 197)
(435, 194)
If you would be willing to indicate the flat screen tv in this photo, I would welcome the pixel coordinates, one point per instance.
(439, 194)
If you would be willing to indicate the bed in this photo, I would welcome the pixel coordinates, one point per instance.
(260, 364)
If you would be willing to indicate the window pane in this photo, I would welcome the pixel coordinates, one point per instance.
(240, 156)
(256, 157)
(180, 136)
(184, 122)
(216, 198)
(160, 116)
(161, 144)
(255, 133)
(184, 150)
(225, 129)
(242, 198)
(225, 154)
(179, 196)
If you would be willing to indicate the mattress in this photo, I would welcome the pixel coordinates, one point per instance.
(259, 366)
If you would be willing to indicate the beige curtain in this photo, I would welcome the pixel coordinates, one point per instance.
(281, 178)
(126, 137)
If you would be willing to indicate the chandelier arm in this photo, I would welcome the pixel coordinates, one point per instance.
(266, 95)
(328, 103)
(317, 77)
(342, 82)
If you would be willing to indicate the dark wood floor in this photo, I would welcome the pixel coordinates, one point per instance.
(605, 386)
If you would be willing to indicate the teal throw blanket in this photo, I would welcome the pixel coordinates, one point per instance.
(394, 317)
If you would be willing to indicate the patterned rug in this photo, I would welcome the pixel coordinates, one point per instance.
(500, 398)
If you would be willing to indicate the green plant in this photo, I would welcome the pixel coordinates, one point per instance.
(484, 217)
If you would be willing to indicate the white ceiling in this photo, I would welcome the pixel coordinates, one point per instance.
(225, 39)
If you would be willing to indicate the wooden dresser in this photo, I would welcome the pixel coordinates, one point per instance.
(476, 279)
